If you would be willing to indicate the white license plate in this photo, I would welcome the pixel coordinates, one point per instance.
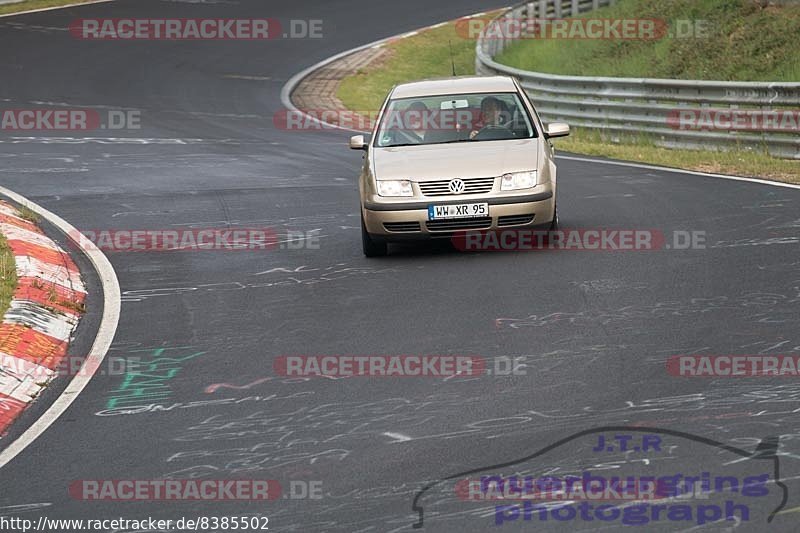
(439, 212)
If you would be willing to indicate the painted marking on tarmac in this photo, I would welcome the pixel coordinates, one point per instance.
(24, 508)
(114, 140)
(398, 437)
(245, 77)
(215, 386)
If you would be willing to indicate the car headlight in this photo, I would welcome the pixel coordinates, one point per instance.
(394, 188)
(518, 180)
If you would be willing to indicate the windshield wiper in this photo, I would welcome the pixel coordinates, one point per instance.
(403, 144)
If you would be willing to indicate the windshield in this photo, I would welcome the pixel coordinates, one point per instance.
(454, 118)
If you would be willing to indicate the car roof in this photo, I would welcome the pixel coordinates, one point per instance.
(454, 85)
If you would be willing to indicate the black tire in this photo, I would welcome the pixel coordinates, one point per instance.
(554, 223)
(371, 247)
(552, 228)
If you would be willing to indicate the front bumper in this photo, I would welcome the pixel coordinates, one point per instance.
(409, 220)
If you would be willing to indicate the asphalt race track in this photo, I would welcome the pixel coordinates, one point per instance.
(593, 329)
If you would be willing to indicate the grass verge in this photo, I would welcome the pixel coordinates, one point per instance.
(8, 275)
(731, 40)
(27, 5)
(427, 54)
(26, 213)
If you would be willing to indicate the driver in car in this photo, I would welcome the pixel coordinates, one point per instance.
(415, 116)
(494, 112)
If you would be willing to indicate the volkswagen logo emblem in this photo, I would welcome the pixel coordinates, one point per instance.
(456, 186)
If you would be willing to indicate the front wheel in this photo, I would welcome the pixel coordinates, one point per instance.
(371, 247)
(554, 223)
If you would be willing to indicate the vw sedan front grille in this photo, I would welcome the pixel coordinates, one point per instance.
(514, 220)
(401, 226)
(442, 187)
(459, 223)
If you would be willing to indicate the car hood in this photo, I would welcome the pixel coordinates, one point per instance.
(457, 160)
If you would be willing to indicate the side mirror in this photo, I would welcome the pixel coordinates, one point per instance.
(357, 142)
(556, 129)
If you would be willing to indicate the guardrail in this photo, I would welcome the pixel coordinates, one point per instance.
(661, 109)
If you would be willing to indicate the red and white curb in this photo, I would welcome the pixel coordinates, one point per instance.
(44, 312)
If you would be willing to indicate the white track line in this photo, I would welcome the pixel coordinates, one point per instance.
(105, 333)
(678, 171)
(290, 85)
